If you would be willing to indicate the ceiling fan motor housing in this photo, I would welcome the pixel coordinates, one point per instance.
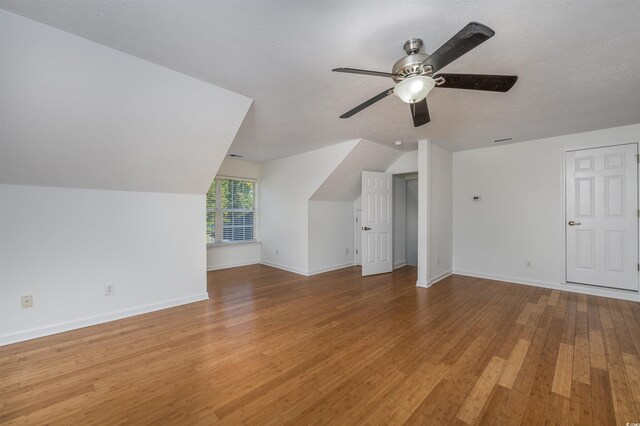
(410, 65)
(413, 45)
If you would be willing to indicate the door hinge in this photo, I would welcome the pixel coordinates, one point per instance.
(356, 220)
(357, 253)
(637, 158)
(638, 212)
(638, 266)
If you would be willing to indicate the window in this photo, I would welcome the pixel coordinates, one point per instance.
(231, 210)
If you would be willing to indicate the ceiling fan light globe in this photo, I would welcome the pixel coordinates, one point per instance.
(414, 89)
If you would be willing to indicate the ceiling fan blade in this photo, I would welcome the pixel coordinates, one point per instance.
(492, 83)
(367, 103)
(470, 37)
(420, 113)
(365, 72)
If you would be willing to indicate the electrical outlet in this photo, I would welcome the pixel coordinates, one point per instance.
(26, 301)
(528, 264)
(277, 252)
(109, 289)
(346, 250)
(437, 260)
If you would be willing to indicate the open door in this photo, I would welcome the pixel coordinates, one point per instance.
(377, 223)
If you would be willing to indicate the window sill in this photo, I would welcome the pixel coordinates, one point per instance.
(232, 243)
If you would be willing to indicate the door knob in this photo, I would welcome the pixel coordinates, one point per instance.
(366, 228)
(574, 223)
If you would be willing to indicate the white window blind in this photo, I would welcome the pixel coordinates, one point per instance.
(231, 211)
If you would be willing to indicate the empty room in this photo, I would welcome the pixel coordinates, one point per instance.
(348, 212)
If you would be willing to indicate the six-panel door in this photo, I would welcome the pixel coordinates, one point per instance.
(377, 223)
(602, 216)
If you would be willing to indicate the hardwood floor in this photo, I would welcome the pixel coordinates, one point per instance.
(275, 347)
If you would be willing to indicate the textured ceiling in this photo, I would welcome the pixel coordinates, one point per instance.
(578, 63)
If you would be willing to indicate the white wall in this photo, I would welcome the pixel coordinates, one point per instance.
(406, 163)
(286, 186)
(440, 212)
(64, 245)
(79, 114)
(424, 147)
(234, 167)
(411, 222)
(306, 207)
(345, 181)
(331, 227)
(434, 213)
(399, 221)
(344, 184)
(230, 255)
(521, 215)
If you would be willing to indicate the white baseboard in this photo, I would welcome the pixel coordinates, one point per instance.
(427, 284)
(232, 265)
(574, 288)
(440, 277)
(61, 327)
(308, 272)
(285, 267)
(399, 264)
(330, 268)
(422, 284)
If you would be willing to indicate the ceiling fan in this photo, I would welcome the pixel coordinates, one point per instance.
(415, 73)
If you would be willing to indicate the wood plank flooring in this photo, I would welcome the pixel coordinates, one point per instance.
(272, 347)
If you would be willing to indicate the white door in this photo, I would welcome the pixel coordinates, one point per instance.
(377, 223)
(358, 238)
(602, 216)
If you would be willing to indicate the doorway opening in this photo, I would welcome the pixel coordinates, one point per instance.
(405, 220)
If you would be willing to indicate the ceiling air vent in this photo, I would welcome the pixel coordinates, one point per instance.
(502, 140)
(235, 155)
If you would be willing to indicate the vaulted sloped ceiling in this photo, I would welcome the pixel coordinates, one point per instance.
(345, 181)
(79, 114)
(578, 63)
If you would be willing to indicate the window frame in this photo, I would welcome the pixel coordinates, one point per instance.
(219, 212)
